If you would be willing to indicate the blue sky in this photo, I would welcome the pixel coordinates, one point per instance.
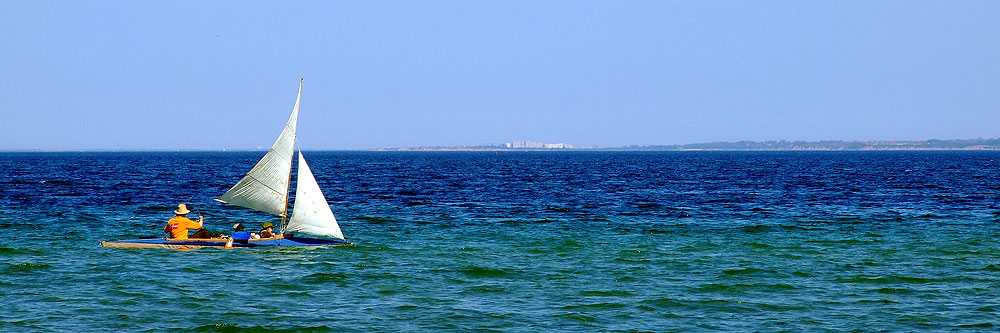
(223, 75)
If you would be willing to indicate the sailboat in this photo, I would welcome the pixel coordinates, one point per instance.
(265, 188)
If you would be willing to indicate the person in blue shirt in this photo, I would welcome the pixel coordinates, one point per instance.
(239, 235)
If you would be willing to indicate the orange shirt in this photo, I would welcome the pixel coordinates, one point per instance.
(179, 225)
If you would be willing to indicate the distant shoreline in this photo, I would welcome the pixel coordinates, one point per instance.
(889, 145)
(930, 145)
(649, 150)
(429, 150)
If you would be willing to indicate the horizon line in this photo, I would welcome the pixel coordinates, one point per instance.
(499, 147)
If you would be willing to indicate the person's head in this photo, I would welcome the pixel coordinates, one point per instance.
(238, 227)
(266, 226)
(182, 209)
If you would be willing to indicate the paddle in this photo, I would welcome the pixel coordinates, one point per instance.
(200, 218)
(199, 213)
(198, 210)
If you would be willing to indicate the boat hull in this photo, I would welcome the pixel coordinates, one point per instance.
(189, 244)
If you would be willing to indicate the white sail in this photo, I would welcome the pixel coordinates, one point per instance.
(265, 187)
(311, 213)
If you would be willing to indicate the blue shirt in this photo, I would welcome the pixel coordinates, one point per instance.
(241, 235)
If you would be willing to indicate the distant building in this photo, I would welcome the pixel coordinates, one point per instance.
(523, 144)
(536, 145)
(557, 146)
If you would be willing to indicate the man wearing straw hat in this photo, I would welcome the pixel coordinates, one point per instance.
(179, 225)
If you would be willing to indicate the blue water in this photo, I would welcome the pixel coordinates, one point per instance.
(517, 241)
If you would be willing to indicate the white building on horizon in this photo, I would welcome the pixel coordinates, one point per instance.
(536, 145)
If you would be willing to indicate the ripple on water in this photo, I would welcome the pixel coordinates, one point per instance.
(977, 325)
(391, 289)
(780, 307)
(748, 271)
(758, 245)
(576, 316)
(483, 272)
(662, 303)
(26, 268)
(12, 251)
(632, 260)
(486, 289)
(739, 288)
(893, 291)
(605, 293)
(899, 279)
(234, 328)
(595, 306)
(321, 278)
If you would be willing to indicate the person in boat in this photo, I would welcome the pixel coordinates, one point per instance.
(267, 230)
(240, 234)
(178, 226)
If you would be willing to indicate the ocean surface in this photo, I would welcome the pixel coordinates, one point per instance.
(516, 241)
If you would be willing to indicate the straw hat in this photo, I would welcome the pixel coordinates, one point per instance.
(182, 209)
(267, 225)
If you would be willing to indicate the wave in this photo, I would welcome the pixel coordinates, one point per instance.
(10, 250)
(234, 328)
(664, 303)
(26, 268)
(605, 293)
(742, 287)
(483, 272)
(376, 219)
(745, 271)
(898, 279)
(781, 307)
(877, 301)
(576, 316)
(757, 245)
(893, 291)
(325, 277)
(596, 306)
(632, 260)
(487, 289)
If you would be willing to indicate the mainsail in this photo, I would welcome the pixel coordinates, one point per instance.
(265, 187)
(312, 214)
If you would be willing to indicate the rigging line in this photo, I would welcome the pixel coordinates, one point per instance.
(289, 184)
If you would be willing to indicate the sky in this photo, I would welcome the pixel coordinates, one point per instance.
(213, 75)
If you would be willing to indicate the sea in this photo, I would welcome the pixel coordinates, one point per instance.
(515, 241)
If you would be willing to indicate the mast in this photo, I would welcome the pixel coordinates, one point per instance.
(288, 184)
